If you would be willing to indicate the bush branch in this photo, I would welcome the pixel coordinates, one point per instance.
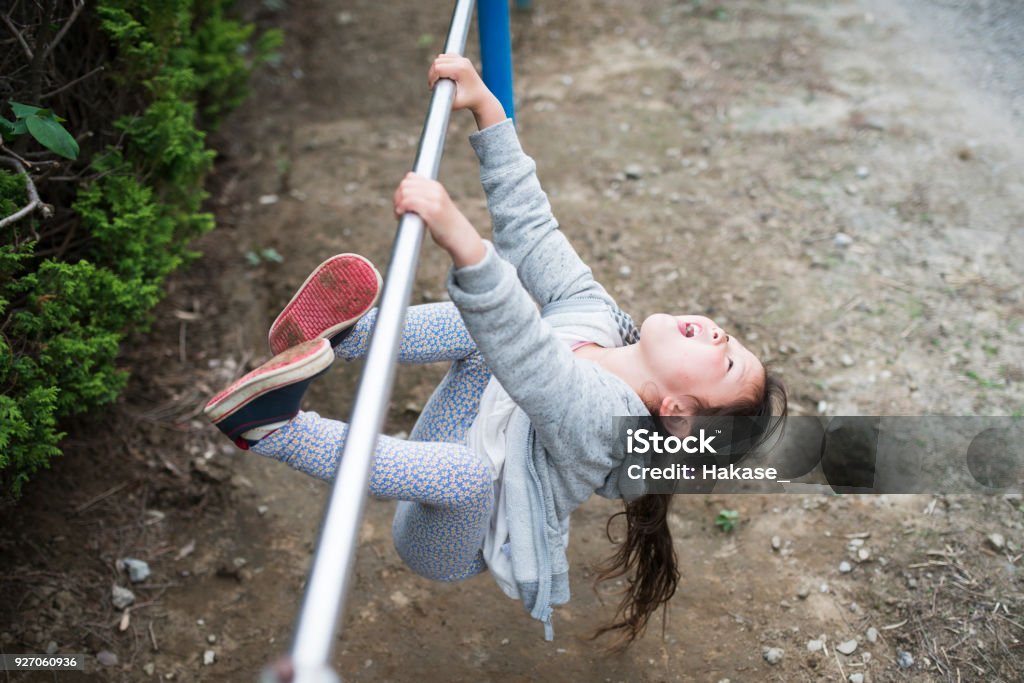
(34, 203)
(64, 29)
(21, 38)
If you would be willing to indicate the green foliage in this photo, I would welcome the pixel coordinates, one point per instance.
(62, 321)
(43, 125)
(726, 520)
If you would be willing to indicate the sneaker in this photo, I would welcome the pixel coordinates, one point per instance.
(338, 293)
(269, 396)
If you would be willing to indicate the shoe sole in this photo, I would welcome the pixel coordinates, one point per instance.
(302, 362)
(336, 294)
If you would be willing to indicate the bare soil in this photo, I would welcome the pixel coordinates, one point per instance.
(760, 130)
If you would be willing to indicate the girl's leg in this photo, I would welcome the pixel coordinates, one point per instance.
(454, 404)
(433, 333)
(446, 491)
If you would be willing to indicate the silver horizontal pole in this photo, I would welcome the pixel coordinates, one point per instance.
(330, 575)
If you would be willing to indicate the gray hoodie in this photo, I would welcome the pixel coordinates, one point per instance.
(561, 440)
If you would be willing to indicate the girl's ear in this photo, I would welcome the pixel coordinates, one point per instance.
(675, 414)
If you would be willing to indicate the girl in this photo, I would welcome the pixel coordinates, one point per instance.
(521, 431)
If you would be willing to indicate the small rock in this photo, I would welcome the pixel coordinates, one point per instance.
(63, 600)
(845, 567)
(633, 172)
(262, 510)
(872, 635)
(211, 639)
(149, 668)
(847, 647)
(864, 554)
(847, 360)
(138, 571)
(841, 239)
(51, 647)
(856, 678)
(815, 645)
(106, 658)
(911, 582)
(996, 541)
(268, 199)
(823, 588)
(776, 543)
(803, 592)
(863, 172)
(773, 655)
(209, 657)
(505, 641)
(822, 407)
(904, 659)
(121, 597)
(400, 599)
(625, 271)
(850, 189)
(344, 18)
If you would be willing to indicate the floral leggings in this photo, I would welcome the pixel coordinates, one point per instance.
(445, 490)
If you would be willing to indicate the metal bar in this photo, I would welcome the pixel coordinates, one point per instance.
(495, 31)
(330, 574)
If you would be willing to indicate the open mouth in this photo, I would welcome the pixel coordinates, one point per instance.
(690, 329)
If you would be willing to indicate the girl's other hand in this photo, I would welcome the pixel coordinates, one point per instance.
(470, 91)
(447, 225)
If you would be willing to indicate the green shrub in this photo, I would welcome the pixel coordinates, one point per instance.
(64, 311)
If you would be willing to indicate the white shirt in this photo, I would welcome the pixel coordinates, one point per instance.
(487, 436)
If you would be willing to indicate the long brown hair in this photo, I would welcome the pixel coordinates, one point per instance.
(647, 554)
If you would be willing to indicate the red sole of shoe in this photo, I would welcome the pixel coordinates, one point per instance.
(296, 364)
(335, 295)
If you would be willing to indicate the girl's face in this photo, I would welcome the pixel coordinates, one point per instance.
(691, 356)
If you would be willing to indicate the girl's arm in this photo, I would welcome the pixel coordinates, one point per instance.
(525, 232)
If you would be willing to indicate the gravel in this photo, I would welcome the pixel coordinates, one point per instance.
(773, 655)
(121, 597)
(980, 37)
(138, 571)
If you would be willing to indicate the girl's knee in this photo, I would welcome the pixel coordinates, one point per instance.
(476, 483)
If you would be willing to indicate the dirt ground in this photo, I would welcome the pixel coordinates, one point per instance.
(827, 180)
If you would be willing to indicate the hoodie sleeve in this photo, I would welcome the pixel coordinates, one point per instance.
(526, 233)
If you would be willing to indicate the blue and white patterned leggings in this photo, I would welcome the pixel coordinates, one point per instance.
(445, 490)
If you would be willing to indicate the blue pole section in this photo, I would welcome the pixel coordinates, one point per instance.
(496, 50)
